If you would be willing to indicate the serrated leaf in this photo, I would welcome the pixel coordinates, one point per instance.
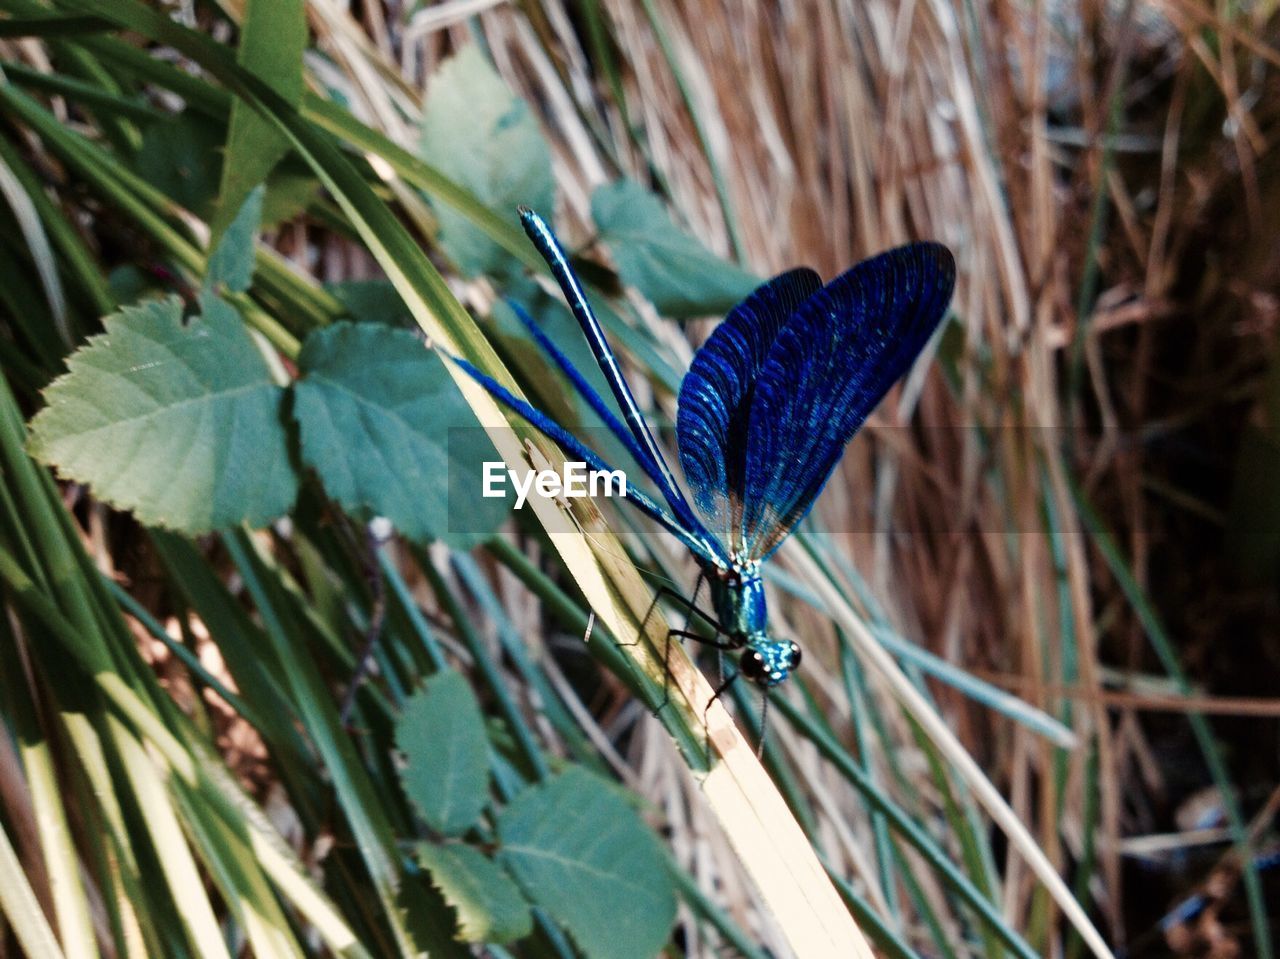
(428, 919)
(479, 134)
(675, 272)
(273, 36)
(442, 736)
(581, 853)
(489, 905)
(179, 423)
(387, 430)
(231, 263)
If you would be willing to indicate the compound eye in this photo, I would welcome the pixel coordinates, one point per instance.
(753, 666)
(793, 658)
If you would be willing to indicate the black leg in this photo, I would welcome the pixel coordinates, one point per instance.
(706, 729)
(764, 723)
(688, 604)
(691, 610)
(699, 638)
(716, 644)
(693, 602)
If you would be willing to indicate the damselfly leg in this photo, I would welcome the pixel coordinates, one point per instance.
(692, 610)
(706, 727)
(718, 641)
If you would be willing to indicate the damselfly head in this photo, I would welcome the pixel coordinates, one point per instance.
(768, 662)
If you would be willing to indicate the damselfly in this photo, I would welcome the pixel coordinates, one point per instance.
(763, 416)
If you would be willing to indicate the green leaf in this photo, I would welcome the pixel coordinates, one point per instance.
(291, 188)
(442, 736)
(582, 853)
(183, 159)
(273, 36)
(489, 905)
(480, 135)
(675, 272)
(128, 284)
(388, 431)
(231, 263)
(372, 301)
(179, 423)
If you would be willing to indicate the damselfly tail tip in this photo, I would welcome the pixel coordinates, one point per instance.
(534, 226)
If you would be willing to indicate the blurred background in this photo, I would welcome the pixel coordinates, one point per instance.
(1071, 501)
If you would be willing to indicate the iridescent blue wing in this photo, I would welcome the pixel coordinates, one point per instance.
(829, 367)
(715, 399)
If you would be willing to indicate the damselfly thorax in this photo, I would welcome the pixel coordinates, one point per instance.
(737, 596)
